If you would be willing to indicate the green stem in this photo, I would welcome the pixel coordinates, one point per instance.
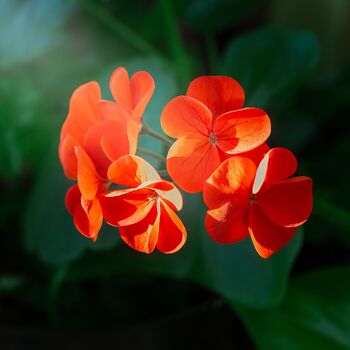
(163, 173)
(146, 130)
(173, 39)
(122, 30)
(147, 152)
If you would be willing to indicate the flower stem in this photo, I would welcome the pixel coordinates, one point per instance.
(147, 152)
(146, 130)
(163, 173)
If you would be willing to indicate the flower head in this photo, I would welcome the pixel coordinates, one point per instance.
(210, 125)
(261, 202)
(96, 133)
(145, 210)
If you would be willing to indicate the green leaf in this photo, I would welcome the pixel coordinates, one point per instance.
(29, 28)
(269, 61)
(233, 271)
(314, 315)
(49, 232)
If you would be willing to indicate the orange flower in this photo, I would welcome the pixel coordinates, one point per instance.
(94, 134)
(262, 201)
(210, 125)
(145, 212)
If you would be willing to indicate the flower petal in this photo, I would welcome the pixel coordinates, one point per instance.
(73, 199)
(267, 237)
(287, 203)
(105, 142)
(231, 180)
(108, 110)
(88, 218)
(277, 164)
(184, 115)
(133, 94)
(228, 223)
(172, 232)
(143, 235)
(131, 171)
(82, 111)
(89, 181)
(66, 153)
(191, 160)
(242, 130)
(126, 207)
(172, 197)
(219, 93)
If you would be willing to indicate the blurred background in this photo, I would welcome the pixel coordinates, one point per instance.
(58, 289)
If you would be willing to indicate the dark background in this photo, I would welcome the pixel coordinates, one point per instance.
(57, 289)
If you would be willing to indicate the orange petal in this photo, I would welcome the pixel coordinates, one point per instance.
(126, 207)
(184, 115)
(133, 94)
(142, 88)
(172, 233)
(105, 142)
(277, 164)
(88, 218)
(287, 203)
(228, 223)
(171, 196)
(120, 88)
(82, 111)
(68, 158)
(131, 171)
(267, 237)
(108, 110)
(143, 235)
(220, 94)
(257, 154)
(89, 181)
(242, 130)
(231, 180)
(191, 160)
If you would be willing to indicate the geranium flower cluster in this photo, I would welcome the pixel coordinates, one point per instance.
(219, 150)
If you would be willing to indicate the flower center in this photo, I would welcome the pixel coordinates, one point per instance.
(252, 198)
(212, 138)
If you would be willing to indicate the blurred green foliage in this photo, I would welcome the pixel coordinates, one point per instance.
(291, 57)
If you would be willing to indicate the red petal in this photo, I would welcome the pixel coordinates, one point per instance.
(131, 171)
(172, 232)
(267, 237)
(242, 130)
(105, 142)
(184, 115)
(231, 180)
(82, 111)
(73, 198)
(228, 223)
(287, 203)
(68, 158)
(133, 94)
(89, 180)
(191, 160)
(277, 164)
(88, 218)
(220, 94)
(108, 110)
(143, 235)
(126, 207)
